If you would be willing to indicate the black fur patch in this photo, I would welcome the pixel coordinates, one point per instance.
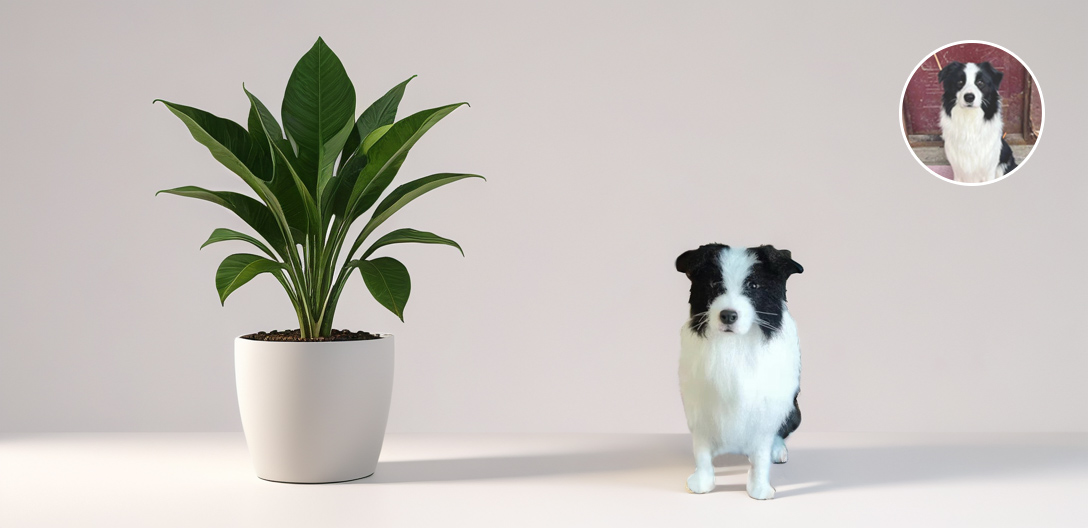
(765, 285)
(793, 420)
(705, 272)
(1007, 162)
(988, 80)
(952, 78)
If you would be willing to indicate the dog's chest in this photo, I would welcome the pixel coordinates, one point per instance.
(736, 385)
(972, 143)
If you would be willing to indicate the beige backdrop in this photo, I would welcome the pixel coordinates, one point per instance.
(614, 136)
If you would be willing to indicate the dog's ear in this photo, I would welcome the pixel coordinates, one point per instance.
(992, 72)
(949, 69)
(780, 260)
(687, 261)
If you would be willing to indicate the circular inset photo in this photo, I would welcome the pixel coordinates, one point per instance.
(971, 113)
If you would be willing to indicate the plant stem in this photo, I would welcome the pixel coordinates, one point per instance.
(294, 300)
(332, 294)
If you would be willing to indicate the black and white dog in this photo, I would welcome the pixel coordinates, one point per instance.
(740, 362)
(971, 123)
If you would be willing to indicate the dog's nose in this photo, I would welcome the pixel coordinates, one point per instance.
(729, 316)
(968, 97)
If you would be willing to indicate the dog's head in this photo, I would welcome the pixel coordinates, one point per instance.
(970, 86)
(734, 290)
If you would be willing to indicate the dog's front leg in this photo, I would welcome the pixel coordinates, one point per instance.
(759, 476)
(702, 481)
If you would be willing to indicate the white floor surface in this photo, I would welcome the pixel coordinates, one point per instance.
(879, 480)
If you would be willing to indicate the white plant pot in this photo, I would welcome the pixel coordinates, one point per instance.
(314, 412)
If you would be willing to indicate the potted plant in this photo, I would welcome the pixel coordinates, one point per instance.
(314, 401)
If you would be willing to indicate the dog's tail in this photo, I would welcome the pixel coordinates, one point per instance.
(1007, 162)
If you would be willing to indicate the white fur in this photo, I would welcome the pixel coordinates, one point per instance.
(971, 143)
(738, 387)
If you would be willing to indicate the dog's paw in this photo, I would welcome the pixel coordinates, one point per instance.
(700, 482)
(760, 491)
(779, 453)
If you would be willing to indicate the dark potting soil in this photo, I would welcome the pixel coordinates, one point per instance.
(295, 335)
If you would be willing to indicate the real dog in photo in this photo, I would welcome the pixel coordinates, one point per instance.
(740, 360)
(971, 123)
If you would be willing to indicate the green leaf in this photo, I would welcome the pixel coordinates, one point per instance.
(234, 147)
(373, 138)
(222, 234)
(252, 212)
(351, 145)
(388, 281)
(338, 191)
(352, 159)
(318, 113)
(282, 185)
(380, 113)
(386, 157)
(229, 143)
(287, 185)
(383, 111)
(401, 196)
(262, 124)
(239, 269)
(401, 236)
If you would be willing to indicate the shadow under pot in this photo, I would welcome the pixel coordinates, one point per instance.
(314, 412)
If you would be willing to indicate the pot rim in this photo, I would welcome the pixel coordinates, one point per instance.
(381, 337)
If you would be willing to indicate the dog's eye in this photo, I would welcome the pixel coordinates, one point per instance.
(754, 285)
(959, 83)
(978, 83)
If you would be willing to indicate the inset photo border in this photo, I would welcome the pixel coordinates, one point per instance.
(932, 111)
